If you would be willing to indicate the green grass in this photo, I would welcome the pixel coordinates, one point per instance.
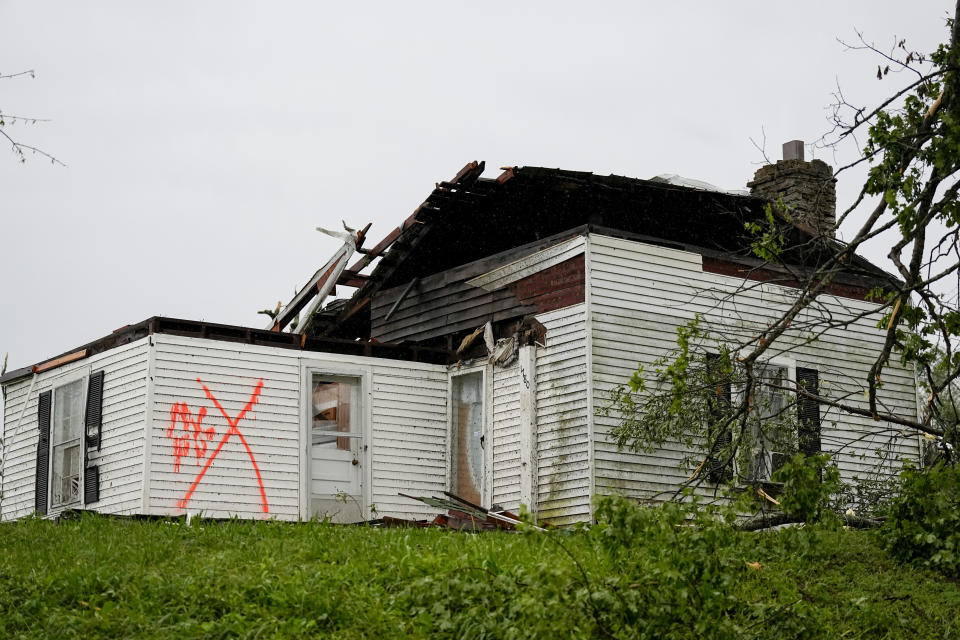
(100, 578)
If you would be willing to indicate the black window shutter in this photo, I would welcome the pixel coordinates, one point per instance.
(91, 484)
(43, 452)
(808, 410)
(94, 414)
(92, 425)
(719, 398)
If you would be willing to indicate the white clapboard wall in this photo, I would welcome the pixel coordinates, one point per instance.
(404, 423)
(639, 294)
(409, 435)
(636, 296)
(120, 458)
(506, 437)
(563, 473)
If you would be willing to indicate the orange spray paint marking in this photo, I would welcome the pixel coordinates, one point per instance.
(181, 447)
(232, 431)
(191, 429)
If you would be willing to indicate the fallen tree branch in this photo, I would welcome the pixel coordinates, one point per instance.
(768, 520)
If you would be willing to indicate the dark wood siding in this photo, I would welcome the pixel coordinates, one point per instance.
(444, 304)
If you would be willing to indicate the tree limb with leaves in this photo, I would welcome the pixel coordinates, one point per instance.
(911, 143)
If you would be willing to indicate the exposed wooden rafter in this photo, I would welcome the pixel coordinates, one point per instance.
(402, 240)
(323, 281)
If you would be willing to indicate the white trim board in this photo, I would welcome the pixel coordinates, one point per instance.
(530, 264)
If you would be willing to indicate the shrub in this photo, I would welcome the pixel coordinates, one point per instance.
(641, 572)
(678, 564)
(924, 523)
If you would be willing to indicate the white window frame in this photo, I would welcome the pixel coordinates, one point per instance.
(361, 375)
(82, 376)
(486, 418)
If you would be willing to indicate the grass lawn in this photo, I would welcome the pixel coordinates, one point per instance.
(101, 578)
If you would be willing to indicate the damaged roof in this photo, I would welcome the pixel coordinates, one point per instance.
(470, 217)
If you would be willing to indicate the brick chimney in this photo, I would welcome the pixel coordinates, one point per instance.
(807, 189)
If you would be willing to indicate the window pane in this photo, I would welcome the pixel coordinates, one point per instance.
(66, 475)
(336, 444)
(326, 439)
(67, 412)
(331, 413)
(772, 395)
(773, 425)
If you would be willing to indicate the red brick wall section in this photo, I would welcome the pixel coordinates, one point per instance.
(563, 284)
(555, 287)
(724, 267)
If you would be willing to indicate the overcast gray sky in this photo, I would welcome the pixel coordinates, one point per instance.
(205, 141)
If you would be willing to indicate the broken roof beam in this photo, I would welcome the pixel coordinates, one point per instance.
(406, 237)
(323, 281)
(352, 279)
(377, 250)
(467, 168)
(371, 254)
(384, 270)
(403, 295)
(305, 295)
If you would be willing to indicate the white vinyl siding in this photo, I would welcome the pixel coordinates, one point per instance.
(641, 293)
(271, 428)
(409, 436)
(563, 474)
(121, 454)
(405, 410)
(506, 437)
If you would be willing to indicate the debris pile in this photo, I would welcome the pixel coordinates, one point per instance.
(461, 515)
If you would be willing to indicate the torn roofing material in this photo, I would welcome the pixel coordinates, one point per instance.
(470, 217)
(681, 181)
(447, 197)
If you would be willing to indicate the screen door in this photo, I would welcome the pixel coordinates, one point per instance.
(467, 441)
(336, 445)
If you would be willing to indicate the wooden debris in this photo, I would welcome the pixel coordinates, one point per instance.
(403, 295)
(767, 496)
(62, 360)
(465, 344)
(322, 283)
(461, 515)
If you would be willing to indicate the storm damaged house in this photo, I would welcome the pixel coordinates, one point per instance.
(470, 354)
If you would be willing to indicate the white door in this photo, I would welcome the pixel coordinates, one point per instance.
(336, 447)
